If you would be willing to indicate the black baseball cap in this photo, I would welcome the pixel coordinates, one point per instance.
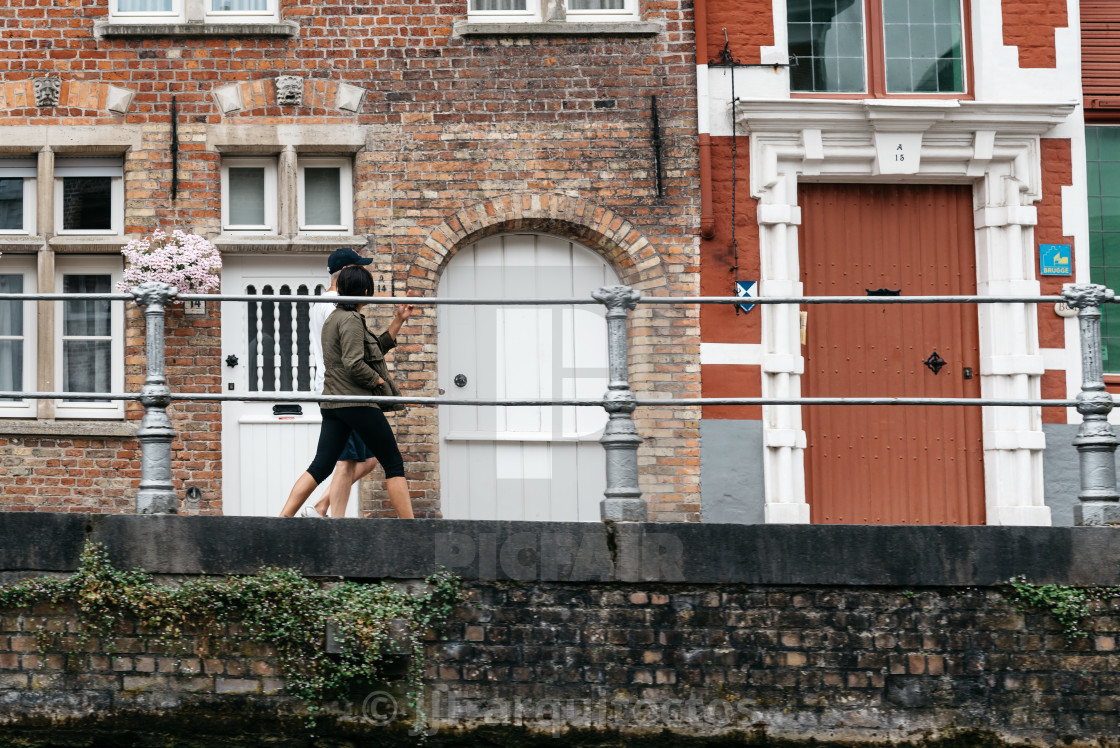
(343, 257)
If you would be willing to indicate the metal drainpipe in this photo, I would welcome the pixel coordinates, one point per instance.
(707, 215)
(623, 498)
(157, 493)
(1095, 441)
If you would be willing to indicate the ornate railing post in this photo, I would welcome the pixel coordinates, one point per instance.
(157, 493)
(623, 499)
(1095, 441)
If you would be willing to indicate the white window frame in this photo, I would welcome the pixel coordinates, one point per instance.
(345, 195)
(240, 16)
(271, 197)
(91, 167)
(628, 13)
(24, 266)
(113, 266)
(23, 169)
(175, 15)
(531, 14)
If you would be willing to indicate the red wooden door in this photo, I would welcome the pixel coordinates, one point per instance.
(891, 464)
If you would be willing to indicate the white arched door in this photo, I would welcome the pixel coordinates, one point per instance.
(523, 463)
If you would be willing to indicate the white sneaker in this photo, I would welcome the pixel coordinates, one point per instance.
(310, 512)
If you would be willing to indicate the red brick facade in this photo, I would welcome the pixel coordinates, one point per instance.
(1030, 25)
(515, 132)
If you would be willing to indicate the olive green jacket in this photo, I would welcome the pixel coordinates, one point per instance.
(354, 358)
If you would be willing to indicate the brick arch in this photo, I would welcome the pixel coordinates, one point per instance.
(598, 228)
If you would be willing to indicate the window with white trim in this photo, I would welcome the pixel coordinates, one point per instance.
(17, 336)
(179, 11)
(17, 196)
(89, 196)
(325, 195)
(89, 337)
(529, 11)
(249, 195)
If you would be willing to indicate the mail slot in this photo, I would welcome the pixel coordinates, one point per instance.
(287, 409)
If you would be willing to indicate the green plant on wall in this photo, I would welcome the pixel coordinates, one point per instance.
(277, 607)
(1070, 605)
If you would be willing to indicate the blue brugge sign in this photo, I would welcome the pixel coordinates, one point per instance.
(1054, 259)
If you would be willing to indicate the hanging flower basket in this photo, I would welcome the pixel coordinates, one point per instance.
(187, 261)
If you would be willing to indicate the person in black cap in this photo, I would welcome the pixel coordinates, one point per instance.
(356, 461)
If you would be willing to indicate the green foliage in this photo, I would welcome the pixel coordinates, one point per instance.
(277, 607)
(1069, 605)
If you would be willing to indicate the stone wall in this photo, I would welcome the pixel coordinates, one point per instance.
(853, 636)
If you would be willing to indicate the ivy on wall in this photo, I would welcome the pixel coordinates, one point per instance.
(1070, 605)
(373, 623)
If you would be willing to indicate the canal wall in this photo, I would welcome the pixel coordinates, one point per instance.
(588, 634)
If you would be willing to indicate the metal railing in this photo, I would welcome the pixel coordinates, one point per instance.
(1096, 441)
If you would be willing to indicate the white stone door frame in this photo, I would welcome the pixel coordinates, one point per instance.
(994, 147)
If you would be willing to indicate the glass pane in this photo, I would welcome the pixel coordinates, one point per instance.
(220, 6)
(498, 4)
(322, 192)
(825, 42)
(86, 316)
(596, 4)
(144, 6)
(246, 196)
(87, 203)
(11, 312)
(85, 365)
(11, 204)
(928, 33)
(11, 365)
(1104, 229)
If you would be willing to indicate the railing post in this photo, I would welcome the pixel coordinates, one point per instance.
(1095, 441)
(623, 499)
(157, 493)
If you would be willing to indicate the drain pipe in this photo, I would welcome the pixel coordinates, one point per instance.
(703, 125)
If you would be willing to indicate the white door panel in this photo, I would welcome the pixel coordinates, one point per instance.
(527, 463)
(263, 450)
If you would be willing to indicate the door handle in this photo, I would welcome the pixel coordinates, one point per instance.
(935, 362)
(460, 380)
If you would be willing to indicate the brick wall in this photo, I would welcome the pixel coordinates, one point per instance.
(1057, 172)
(453, 125)
(1029, 25)
(869, 664)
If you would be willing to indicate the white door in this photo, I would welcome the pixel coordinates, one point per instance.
(523, 463)
(266, 348)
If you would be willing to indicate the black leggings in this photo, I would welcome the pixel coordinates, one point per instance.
(371, 426)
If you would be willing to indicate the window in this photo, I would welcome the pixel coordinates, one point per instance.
(324, 196)
(89, 196)
(17, 336)
(916, 46)
(1102, 147)
(17, 196)
(89, 347)
(537, 10)
(179, 11)
(249, 195)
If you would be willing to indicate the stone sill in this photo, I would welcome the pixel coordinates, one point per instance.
(289, 29)
(269, 244)
(559, 28)
(31, 427)
(69, 244)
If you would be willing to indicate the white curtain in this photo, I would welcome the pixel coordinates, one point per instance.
(11, 325)
(86, 361)
(242, 6)
(322, 192)
(596, 4)
(145, 6)
(498, 4)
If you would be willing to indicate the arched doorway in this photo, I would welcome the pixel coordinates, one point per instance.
(522, 463)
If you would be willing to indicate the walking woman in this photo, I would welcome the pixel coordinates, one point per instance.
(354, 359)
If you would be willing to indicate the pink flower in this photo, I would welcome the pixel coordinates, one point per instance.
(187, 261)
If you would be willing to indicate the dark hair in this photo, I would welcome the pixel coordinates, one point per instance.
(354, 281)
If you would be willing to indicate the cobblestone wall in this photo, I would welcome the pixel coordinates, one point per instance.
(867, 665)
